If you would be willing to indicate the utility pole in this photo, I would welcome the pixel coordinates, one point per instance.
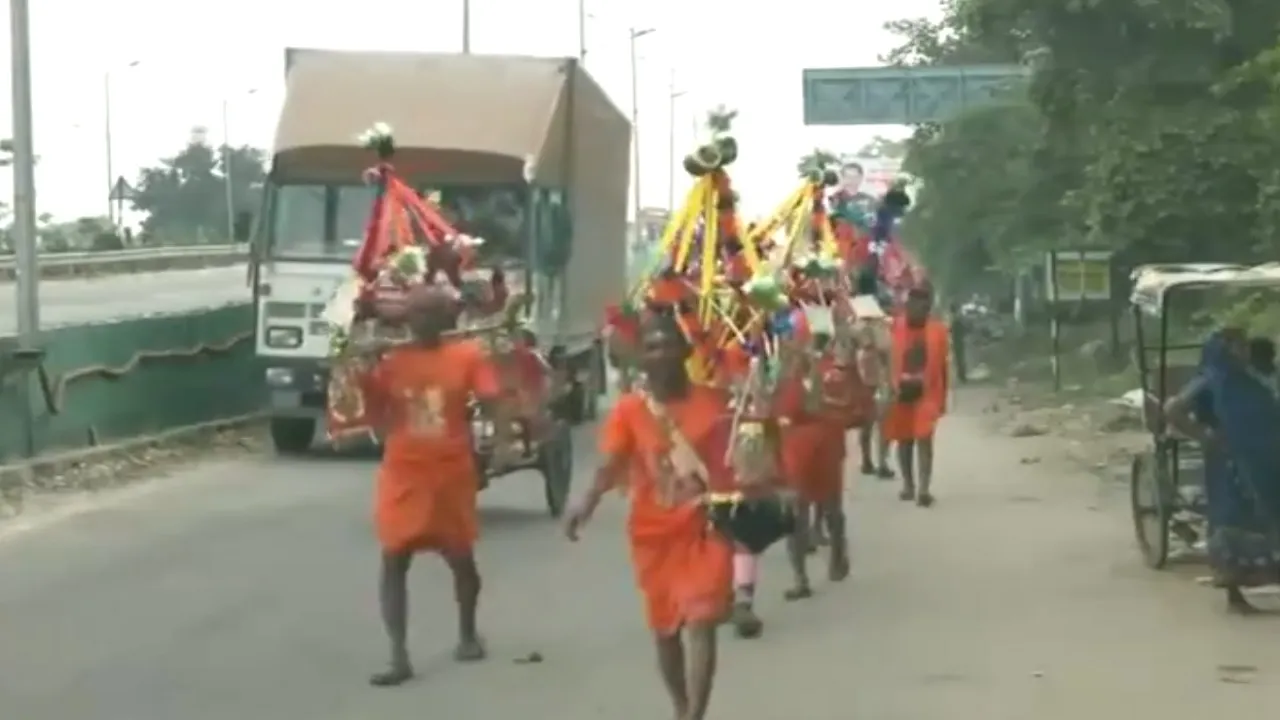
(24, 206)
(466, 27)
(635, 131)
(24, 179)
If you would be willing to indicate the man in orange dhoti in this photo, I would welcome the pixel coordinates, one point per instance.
(919, 377)
(813, 454)
(428, 479)
(668, 444)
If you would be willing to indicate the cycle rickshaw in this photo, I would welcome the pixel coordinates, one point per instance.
(1167, 480)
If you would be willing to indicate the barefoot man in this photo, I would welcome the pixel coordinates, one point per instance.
(667, 443)
(813, 454)
(919, 377)
(428, 479)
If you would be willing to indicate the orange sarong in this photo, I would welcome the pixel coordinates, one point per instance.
(813, 444)
(683, 567)
(425, 497)
(918, 420)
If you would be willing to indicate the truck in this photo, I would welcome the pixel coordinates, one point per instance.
(528, 153)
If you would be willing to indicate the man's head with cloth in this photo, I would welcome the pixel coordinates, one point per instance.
(919, 305)
(665, 349)
(430, 311)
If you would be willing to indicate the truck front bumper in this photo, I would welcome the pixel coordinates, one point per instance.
(296, 388)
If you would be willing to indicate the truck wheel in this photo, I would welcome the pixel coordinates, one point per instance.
(292, 436)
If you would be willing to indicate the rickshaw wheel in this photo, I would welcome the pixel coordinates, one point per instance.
(1148, 496)
(555, 462)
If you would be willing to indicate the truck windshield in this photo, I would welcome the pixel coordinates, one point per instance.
(319, 221)
(326, 222)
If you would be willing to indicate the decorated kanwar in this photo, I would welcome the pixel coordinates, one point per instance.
(909, 368)
(820, 392)
(693, 443)
(882, 274)
(404, 370)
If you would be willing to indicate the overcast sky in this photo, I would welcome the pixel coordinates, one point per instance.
(190, 56)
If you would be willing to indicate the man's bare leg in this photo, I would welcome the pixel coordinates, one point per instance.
(671, 666)
(838, 567)
(466, 592)
(702, 668)
(818, 525)
(798, 544)
(926, 471)
(746, 567)
(883, 471)
(866, 434)
(907, 465)
(393, 601)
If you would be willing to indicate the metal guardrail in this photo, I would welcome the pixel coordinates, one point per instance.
(132, 260)
(107, 257)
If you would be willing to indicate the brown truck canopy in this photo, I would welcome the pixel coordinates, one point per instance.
(455, 118)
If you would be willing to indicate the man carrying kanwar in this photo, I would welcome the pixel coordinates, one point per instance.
(399, 373)
(919, 379)
(817, 391)
(872, 330)
(680, 443)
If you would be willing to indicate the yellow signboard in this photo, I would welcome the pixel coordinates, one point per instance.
(1074, 275)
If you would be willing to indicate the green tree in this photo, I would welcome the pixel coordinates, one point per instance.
(1148, 128)
(185, 198)
(883, 147)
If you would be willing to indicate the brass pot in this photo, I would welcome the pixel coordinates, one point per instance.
(694, 166)
(727, 148)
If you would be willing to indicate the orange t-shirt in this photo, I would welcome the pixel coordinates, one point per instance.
(633, 432)
(424, 394)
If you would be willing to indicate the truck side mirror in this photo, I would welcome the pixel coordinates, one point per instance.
(242, 230)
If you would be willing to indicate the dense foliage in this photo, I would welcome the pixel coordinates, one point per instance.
(1149, 128)
(183, 198)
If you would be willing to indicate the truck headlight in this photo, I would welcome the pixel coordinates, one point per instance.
(284, 338)
(279, 377)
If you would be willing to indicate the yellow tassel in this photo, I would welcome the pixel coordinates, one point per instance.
(694, 206)
(710, 247)
(670, 234)
(779, 216)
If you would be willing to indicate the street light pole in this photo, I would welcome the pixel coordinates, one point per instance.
(466, 27)
(635, 131)
(582, 32)
(671, 139)
(111, 175)
(227, 177)
(226, 170)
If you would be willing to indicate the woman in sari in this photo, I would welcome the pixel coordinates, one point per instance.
(1232, 410)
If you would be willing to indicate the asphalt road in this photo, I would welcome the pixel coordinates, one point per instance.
(245, 589)
(89, 300)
